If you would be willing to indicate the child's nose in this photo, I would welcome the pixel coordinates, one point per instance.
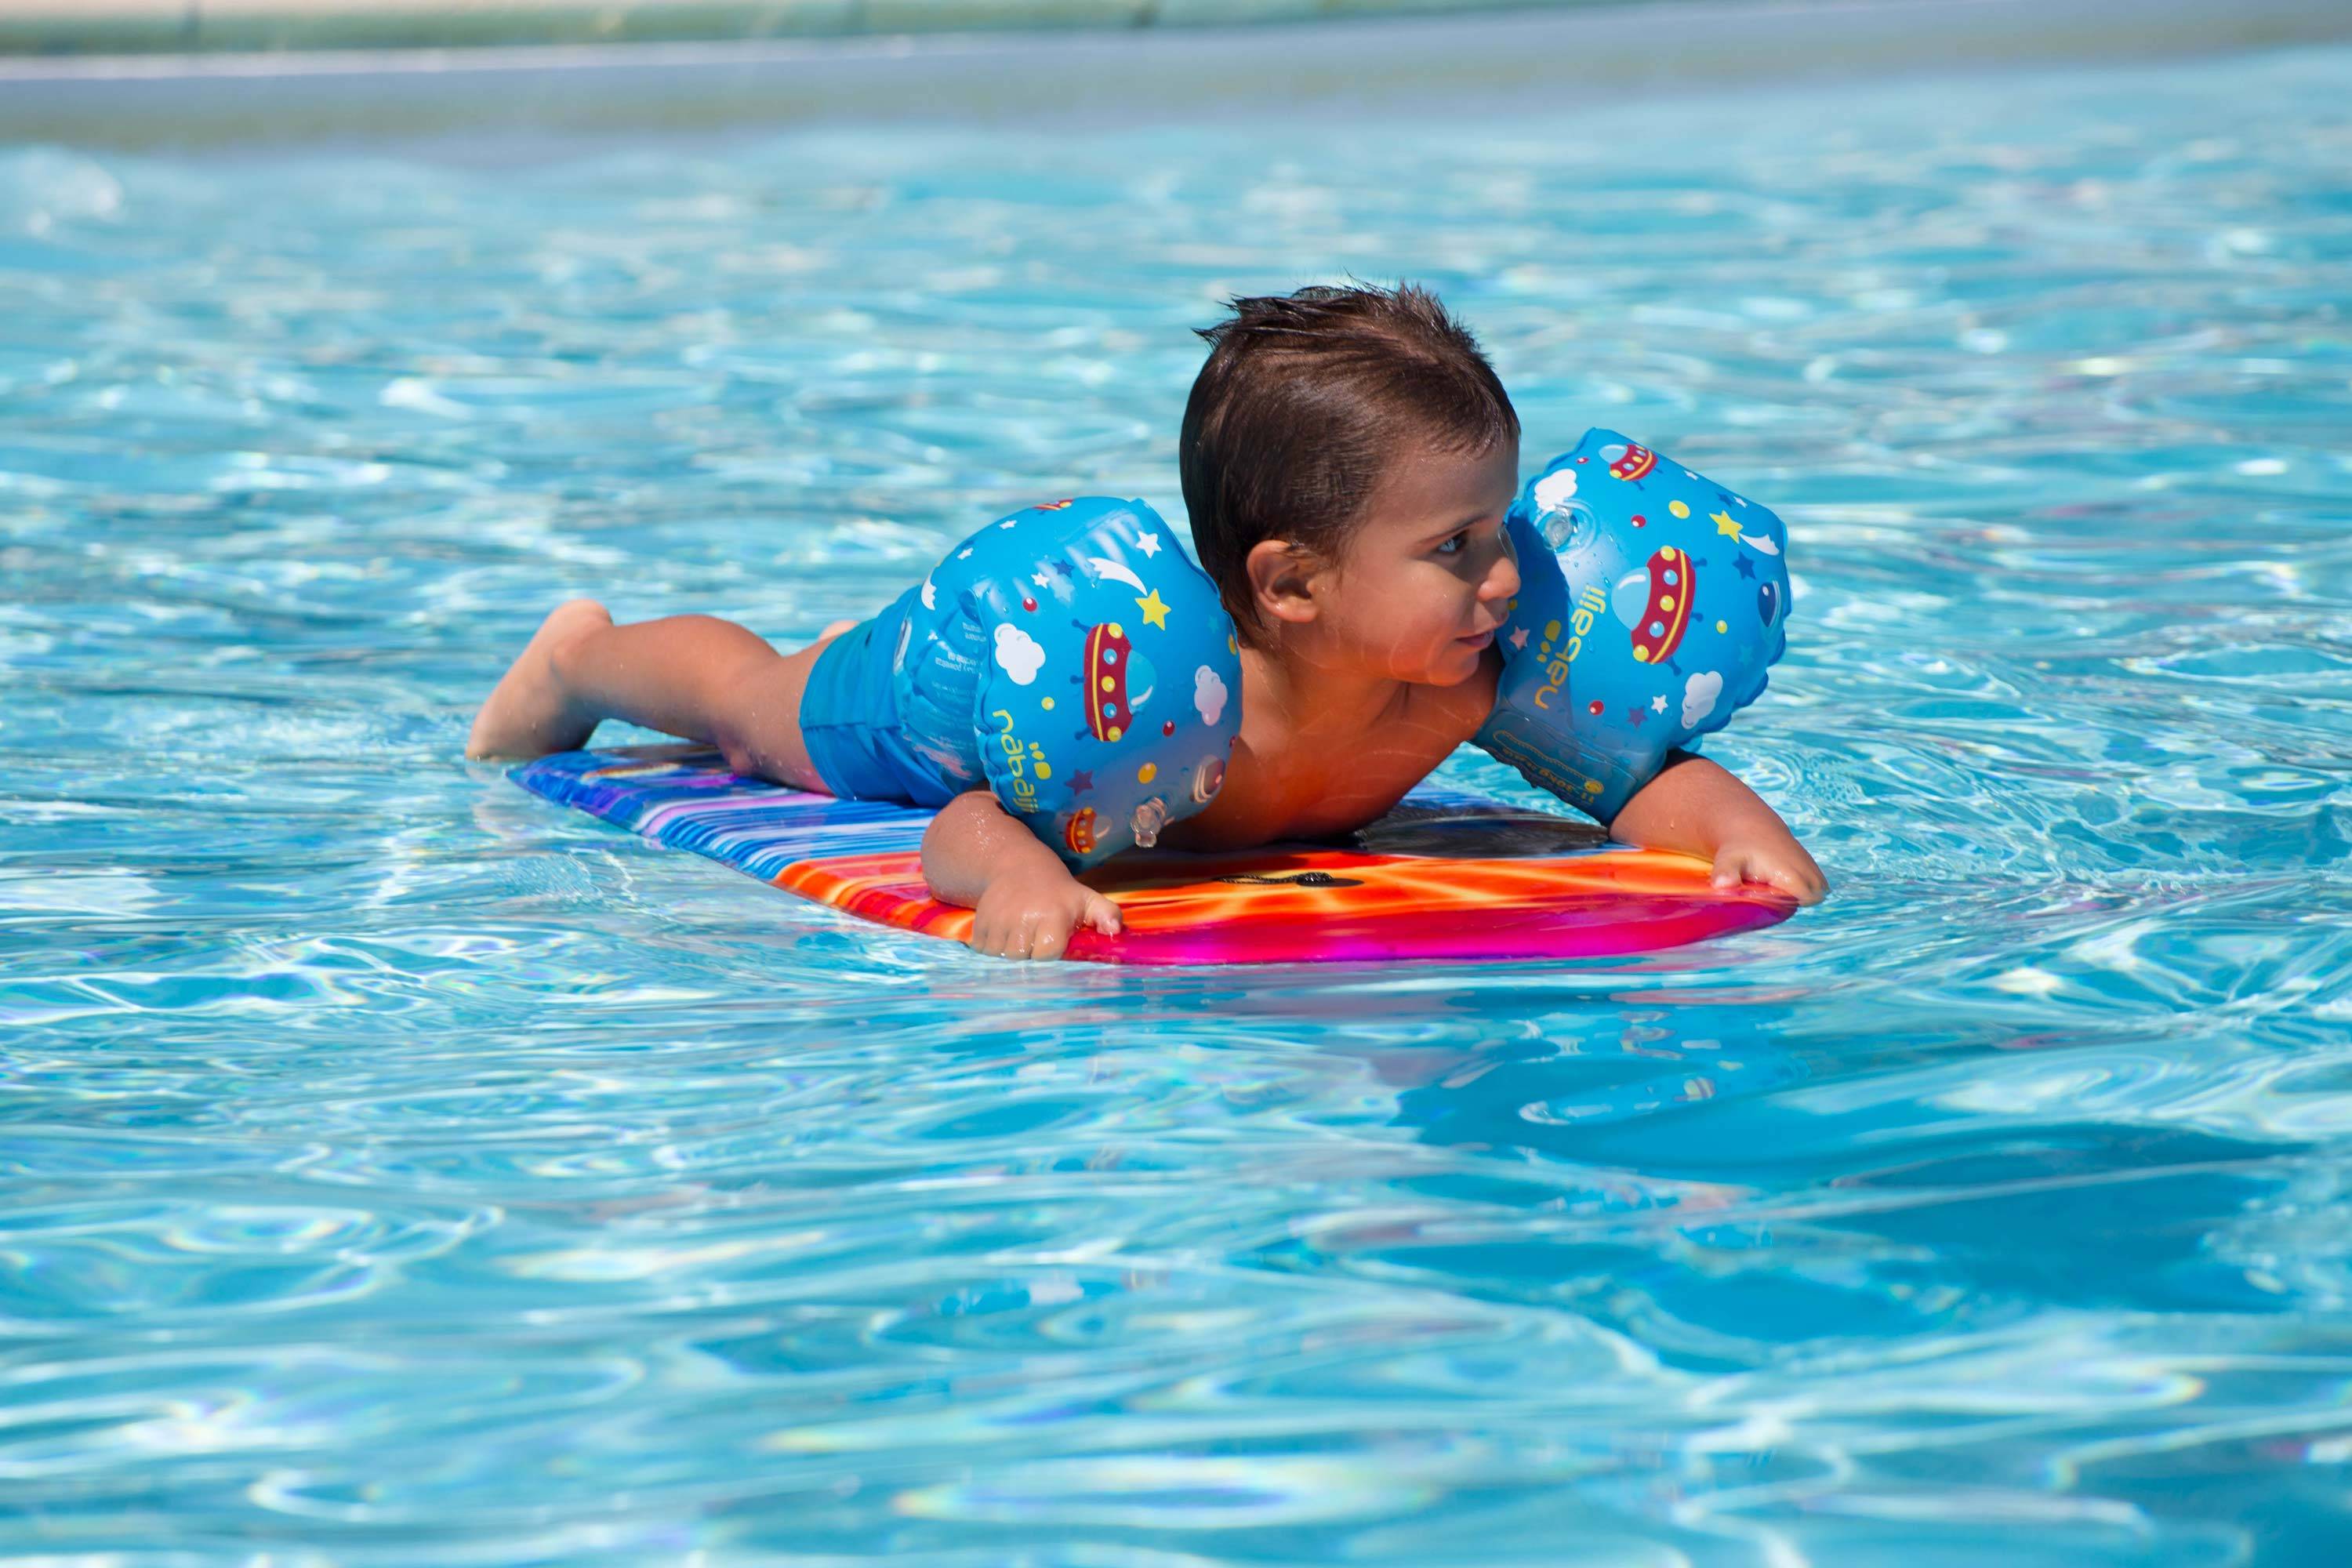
(1503, 582)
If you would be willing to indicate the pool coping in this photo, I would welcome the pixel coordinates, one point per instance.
(1190, 74)
(176, 27)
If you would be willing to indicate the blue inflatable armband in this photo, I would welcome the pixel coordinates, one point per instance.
(1651, 603)
(1074, 656)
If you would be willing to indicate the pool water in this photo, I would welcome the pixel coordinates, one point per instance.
(400, 1169)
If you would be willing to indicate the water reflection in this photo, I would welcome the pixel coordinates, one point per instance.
(400, 1168)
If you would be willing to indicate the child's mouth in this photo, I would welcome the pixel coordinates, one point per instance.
(1476, 639)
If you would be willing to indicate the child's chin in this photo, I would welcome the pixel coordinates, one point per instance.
(1453, 667)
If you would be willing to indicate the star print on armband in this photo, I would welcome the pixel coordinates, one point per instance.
(1155, 610)
(1519, 639)
(1149, 543)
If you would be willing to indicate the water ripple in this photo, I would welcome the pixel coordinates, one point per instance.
(400, 1170)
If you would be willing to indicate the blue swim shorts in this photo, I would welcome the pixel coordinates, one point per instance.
(859, 741)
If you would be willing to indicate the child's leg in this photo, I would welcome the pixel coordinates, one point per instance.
(695, 677)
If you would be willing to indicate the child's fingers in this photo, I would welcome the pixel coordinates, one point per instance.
(1803, 882)
(1043, 934)
(1798, 882)
(1047, 941)
(1103, 915)
(1001, 938)
(1801, 879)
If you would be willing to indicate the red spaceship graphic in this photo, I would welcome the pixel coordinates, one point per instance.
(1637, 462)
(1107, 654)
(1656, 605)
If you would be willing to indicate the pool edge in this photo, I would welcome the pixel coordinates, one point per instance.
(1172, 74)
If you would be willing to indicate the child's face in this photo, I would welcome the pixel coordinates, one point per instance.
(1425, 578)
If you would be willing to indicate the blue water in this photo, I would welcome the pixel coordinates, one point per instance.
(399, 1170)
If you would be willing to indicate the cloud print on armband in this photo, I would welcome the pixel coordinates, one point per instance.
(1018, 655)
(1699, 695)
(1554, 489)
(1209, 694)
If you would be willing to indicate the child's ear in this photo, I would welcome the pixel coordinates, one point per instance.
(1282, 580)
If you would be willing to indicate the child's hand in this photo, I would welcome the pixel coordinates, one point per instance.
(1775, 858)
(1694, 806)
(1031, 914)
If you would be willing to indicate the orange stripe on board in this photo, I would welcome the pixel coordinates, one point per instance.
(889, 889)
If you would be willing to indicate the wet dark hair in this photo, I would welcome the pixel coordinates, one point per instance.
(1303, 401)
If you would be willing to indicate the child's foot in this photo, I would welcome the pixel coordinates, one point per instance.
(526, 714)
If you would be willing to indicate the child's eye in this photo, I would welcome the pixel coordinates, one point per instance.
(1453, 545)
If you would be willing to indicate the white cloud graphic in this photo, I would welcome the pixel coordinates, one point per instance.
(1018, 655)
(1209, 694)
(1699, 695)
(930, 595)
(1554, 491)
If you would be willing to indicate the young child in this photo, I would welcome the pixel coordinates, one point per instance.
(1348, 457)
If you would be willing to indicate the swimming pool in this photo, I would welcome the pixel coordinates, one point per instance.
(402, 1170)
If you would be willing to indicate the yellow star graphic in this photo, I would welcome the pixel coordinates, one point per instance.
(1155, 614)
(1723, 523)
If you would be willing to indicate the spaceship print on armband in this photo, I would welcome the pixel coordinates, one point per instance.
(1116, 682)
(1655, 603)
(1630, 462)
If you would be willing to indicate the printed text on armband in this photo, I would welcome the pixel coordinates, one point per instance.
(1588, 605)
(1025, 759)
(1538, 767)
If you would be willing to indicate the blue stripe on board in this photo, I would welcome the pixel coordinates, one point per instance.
(687, 799)
(691, 801)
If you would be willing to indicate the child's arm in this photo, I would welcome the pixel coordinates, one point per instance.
(1024, 902)
(1694, 806)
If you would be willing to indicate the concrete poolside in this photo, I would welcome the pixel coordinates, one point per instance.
(86, 26)
(107, 73)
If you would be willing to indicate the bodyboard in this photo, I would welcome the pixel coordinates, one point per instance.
(1447, 875)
